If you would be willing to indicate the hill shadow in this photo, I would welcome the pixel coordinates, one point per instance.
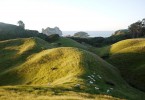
(132, 68)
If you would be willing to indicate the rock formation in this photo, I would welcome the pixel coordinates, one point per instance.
(49, 31)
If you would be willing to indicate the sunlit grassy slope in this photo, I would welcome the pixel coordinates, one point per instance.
(14, 52)
(45, 93)
(62, 71)
(128, 56)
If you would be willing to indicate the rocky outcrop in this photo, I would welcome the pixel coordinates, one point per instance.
(49, 31)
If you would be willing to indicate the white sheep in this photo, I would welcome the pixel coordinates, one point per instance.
(96, 88)
(91, 78)
(92, 75)
(99, 76)
(77, 85)
(91, 82)
(108, 91)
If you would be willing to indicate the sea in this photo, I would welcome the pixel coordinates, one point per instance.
(91, 33)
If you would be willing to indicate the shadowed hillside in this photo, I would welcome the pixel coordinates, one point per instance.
(34, 62)
(128, 56)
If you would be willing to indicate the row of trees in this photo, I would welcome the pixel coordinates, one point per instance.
(137, 29)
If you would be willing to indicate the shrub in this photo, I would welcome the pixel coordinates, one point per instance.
(52, 38)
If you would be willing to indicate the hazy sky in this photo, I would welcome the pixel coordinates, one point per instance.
(82, 15)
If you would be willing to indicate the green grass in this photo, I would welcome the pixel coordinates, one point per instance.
(67, 42)
(14, 52)
(128, 55)
(103, 51)
(45, 93)
(32, 65)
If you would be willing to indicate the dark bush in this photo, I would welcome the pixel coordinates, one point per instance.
(95, 41)
(59, 44)
(100, 41)
(53, 37)
(117, 37)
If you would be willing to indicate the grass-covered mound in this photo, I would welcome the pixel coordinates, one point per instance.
(128, 56)
(67, 42)
(37, 63)
(15, 52)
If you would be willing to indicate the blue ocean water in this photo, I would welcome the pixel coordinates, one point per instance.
(91, 33)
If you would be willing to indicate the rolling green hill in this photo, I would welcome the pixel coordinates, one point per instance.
(128, 56)
(14, 52)
(67, 42)
(31, 65)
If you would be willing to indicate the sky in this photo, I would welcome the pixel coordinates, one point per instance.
(73, 15)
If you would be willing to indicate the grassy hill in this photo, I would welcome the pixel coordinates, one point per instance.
(128, 56)
(31, 66)
(14, 52)
(67, 42)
